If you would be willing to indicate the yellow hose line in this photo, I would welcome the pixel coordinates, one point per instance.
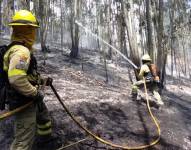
(10, 113)
(151, 114)
(72, 144)
(7, 114)
(103, 140)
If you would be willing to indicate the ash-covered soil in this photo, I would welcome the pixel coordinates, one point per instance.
(107, 108)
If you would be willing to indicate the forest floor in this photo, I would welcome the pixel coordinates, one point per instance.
(107, 108)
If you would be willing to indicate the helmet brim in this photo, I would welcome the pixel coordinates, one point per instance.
(22, 24)
(146, 60)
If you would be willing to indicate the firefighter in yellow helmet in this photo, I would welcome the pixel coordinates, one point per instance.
(150, 78)
(24, 83)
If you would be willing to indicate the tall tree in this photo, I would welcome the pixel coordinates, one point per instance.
(172, 33)
(132, 39)
(61, 22)
(74, 29)
(162, 53)
(44, 12)
(149, 29)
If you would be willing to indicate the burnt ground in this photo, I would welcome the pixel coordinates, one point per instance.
(107, 108)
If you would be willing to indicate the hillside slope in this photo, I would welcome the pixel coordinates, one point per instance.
(107, 108)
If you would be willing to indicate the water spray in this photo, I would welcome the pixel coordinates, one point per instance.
(102, 40)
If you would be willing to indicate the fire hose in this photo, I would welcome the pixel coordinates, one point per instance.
(90, 133)
(10, 113)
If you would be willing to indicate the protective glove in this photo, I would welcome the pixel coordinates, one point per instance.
(49, 81)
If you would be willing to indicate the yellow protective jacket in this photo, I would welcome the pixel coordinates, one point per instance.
(22, 77)
(145, 72)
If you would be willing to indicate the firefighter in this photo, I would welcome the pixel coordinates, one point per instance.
(152, 79)
(24, 84)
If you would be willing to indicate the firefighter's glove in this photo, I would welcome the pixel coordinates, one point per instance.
(49, 81)
(39, 97)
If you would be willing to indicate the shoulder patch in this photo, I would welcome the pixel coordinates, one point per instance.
(22, 65)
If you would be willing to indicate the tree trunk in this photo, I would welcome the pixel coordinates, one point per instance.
(172, 36)
(134, 55)
(44, 18)
(149, 29)
(109, 15)
(98, 26)
(160, 35)
(162, 54)
(141, 29)
(75, 30)
(123, 38)
(61, 21)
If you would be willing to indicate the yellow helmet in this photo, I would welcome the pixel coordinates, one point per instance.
(146, 57)
(24, 17)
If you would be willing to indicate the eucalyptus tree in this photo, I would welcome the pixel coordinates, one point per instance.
(130, 28)
(149, 28)
(43, 12)
(74, 29)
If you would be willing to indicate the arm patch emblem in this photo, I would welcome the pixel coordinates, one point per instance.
(22, 65)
